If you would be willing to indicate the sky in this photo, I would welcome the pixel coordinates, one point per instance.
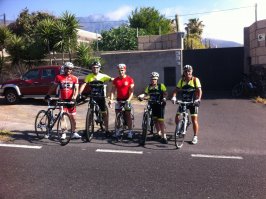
(223, 19)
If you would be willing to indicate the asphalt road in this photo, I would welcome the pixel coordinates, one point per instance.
(228, 162)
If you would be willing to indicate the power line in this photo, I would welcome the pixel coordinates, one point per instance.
(217, 11)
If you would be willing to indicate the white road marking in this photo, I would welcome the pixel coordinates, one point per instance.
(216, 156)
(118, 151)
(20, 146)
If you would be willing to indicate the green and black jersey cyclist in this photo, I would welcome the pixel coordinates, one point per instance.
(190, 88)
(96, 82)
(157, 93)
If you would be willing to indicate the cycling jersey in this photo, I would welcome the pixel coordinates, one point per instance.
(188, 88)
(123, 86)
(155, 93)
(66, 85)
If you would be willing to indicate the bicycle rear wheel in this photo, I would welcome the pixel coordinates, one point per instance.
(145, 126)
(238, 90)
(179, 134)
(64, 129)
(41, 124)
(89, 128)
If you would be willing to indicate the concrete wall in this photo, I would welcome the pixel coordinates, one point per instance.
(141, 63)
(161, 42)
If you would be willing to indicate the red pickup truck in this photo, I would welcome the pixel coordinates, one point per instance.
(36, 82)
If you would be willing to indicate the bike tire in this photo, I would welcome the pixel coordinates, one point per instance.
(64, 126)
(89, 128)
(41, 124)
(179, 134)
(119, 122)
(145, 126)
(101, 116)
(238, 90)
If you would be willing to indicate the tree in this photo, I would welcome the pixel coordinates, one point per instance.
(121, 38)
(84, 55)
(194, 29)
(150, 20)
(5, 34)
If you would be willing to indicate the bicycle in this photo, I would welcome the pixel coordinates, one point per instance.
(120, 122)
(246, 87)
(182, 126)
(46, 119)
(94, 115)
(147, 121)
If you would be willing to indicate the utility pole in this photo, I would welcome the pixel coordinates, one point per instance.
(177, 23)
(256, 6)
(4, 17)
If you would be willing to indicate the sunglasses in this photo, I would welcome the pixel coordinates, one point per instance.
(68, 68)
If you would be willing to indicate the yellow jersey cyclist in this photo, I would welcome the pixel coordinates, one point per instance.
(157, 95)
(96, 82)
(190, 89)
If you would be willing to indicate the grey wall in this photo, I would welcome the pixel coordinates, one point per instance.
(141, 63)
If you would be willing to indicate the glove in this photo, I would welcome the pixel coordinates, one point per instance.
(47, 97)
(141, 97)
(173, 100)
(164, 99)
(197, 102)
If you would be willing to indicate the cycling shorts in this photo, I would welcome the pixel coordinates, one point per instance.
(119, 105)
(101, 103)
(194, 110)
(158, 111)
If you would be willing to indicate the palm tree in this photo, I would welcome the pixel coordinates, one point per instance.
(5, 34)
(195, 27)
(71, 33)
(15, 48)
(60, 30)
(45, 31)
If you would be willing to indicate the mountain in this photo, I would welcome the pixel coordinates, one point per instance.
(217, 43)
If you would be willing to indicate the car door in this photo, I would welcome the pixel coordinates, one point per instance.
(47, 79)
(29, 82)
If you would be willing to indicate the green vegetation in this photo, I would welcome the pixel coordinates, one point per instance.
(5, 135)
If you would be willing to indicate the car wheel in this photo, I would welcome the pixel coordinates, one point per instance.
(11, 96)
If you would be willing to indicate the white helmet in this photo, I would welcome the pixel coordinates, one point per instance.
(154, 75)
(97, 64)
(187, 67)
(122, 66)
(68, 65)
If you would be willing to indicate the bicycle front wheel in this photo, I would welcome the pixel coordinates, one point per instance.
(64, 129)
(41, 124)
(145, 126)
(89, 128)
(180, 134)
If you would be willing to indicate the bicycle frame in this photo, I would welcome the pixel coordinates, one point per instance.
(184, 122)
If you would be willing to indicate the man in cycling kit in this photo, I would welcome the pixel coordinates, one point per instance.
(157, 93)
(124, 87)
(68, 91)
(96, 82)
(190, 88)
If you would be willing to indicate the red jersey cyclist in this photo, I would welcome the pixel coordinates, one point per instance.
(68, 91)
(124, 87)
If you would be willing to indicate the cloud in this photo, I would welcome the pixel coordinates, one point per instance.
(120, 13)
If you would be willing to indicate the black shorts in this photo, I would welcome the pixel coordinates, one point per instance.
(158, 111)
(101, 103)
(194, 110)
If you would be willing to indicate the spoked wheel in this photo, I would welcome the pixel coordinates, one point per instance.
(118, 125)
(64, 129)
(145, 125)
(238, 90)
(41, 124)
(179, 134)
(89, 128)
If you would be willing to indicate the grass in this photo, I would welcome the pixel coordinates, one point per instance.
(5, 135)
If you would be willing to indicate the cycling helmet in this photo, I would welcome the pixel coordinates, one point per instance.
(187, 67)
(154, 75)
(97, 64)
(122, 66)
(68, 65)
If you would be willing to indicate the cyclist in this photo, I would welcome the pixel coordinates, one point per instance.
(68, 91)
(94, 79)
(191, 87)
(158, 93)
(124, 87)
